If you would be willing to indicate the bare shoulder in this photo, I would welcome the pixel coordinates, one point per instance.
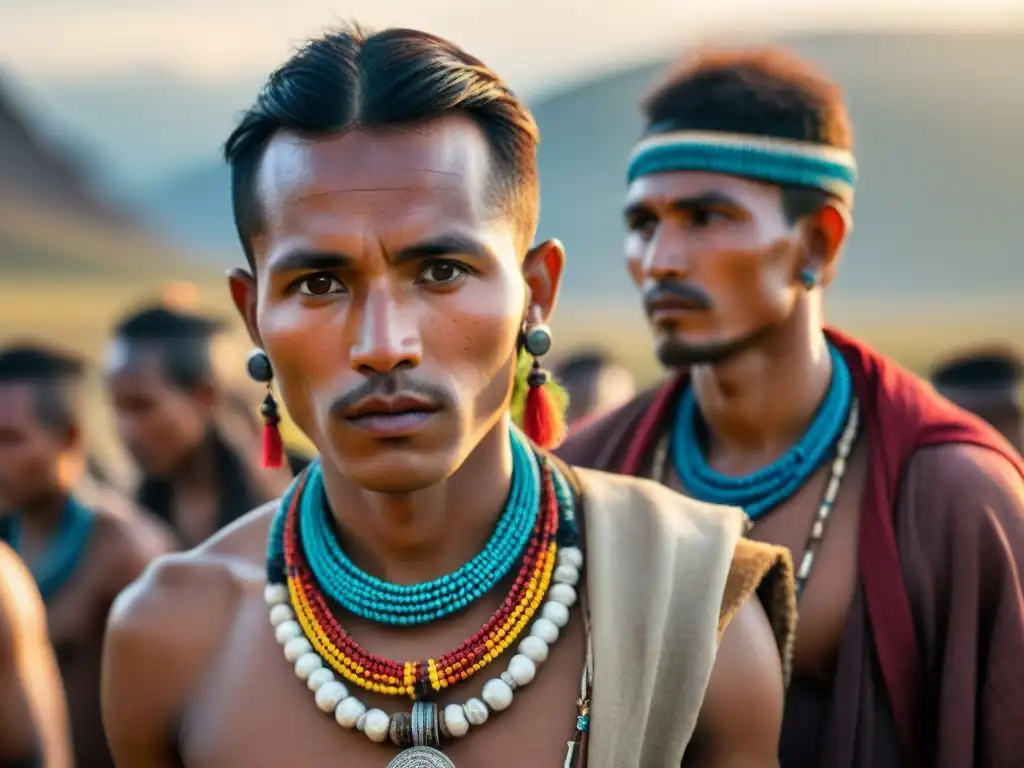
(121, 527)
(741, 716)
(187, 584)
(165, 631)
(125, 541)
(21, 609)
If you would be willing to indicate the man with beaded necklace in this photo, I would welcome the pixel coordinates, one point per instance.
(905, 515)
(385, 194)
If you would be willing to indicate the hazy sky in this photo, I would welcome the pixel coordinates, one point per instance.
(145, 88)
(531, 42)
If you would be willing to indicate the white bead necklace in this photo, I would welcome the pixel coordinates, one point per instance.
(427, 726)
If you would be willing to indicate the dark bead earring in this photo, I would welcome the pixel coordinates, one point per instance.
(543, 421)
(259, 369)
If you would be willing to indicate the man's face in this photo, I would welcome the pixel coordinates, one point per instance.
(389, 296)
(715, 259)
(159, 424)
(30, 452)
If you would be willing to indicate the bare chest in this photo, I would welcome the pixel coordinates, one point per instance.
(828, 557)
(76, 616)
(254, 711)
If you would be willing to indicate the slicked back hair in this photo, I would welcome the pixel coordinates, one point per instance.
(351, 79)
(754, 91)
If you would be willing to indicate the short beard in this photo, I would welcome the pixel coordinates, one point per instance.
(675, 354)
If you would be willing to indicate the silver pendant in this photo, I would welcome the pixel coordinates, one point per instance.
(421, 757)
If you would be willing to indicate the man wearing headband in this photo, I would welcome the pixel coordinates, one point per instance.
(434, 589)
(905, 515)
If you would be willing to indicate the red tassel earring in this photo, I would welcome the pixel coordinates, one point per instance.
(543, 422)
(259, 368)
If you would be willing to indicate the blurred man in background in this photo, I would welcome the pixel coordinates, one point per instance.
(33, 714)
(905, 515)
(595, 383)
(80, 555)
(988, 382)
(168, 402)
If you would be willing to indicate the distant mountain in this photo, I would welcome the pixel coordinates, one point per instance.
(53, 222)
(193, 208)
(937, 126)
(35, 173)
(936, 123)
(145, 124)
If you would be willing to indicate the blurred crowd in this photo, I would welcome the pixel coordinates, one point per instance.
(74, 538)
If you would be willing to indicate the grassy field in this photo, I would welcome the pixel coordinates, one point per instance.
(77, 314)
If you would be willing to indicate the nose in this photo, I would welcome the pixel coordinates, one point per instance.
(667, 255)
(384, 340)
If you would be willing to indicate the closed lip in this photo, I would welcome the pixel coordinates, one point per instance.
(673, 305)
(390, 406)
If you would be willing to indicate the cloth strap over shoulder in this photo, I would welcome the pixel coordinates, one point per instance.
(657, 564)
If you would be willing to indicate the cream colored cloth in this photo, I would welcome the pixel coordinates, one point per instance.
(657, 564)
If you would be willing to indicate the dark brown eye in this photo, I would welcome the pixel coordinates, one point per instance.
(441, 273)
(320, 285)
(642, 224)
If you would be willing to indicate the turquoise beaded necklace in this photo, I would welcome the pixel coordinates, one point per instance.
(408, 605)
(55, 566)
(762, 491)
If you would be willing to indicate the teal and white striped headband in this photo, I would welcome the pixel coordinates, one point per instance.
(778, 161)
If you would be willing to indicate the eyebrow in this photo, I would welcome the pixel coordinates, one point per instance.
(443, 245)
(684, 204)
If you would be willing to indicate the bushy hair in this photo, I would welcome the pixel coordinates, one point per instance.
(754, 91)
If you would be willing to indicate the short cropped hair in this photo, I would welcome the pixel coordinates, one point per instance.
(755, 91)
(181, 341)
(350, 79)
(55, 377)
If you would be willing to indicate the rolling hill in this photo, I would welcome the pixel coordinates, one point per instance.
(936, 124)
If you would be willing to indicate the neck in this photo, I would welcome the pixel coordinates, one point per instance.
(41, 519)
(758, 404)
(417, 537)
(198, 472)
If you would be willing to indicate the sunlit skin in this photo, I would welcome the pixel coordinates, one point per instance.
(160, 425)
(389, 293)
(32, 457)
(744, 316)
(757, 357)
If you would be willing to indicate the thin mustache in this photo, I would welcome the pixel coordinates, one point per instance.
(388, 385)
(682, 291)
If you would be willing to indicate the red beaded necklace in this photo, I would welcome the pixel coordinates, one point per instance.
(420, 679)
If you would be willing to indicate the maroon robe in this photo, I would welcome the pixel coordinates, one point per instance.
(931, 668)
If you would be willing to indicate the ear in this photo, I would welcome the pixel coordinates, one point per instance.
(542, 270)
(244, 294)
(826, 233)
